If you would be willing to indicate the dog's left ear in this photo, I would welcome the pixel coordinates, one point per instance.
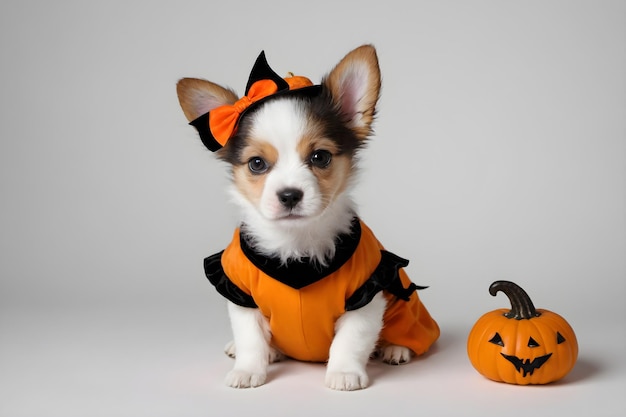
(355, 87)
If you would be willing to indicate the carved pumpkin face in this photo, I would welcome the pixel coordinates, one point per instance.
(521, 346)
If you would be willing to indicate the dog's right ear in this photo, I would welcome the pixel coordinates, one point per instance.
(198, 97)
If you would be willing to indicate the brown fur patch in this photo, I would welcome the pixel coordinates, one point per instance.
(248, 183)
(332, 179)
(311, 142)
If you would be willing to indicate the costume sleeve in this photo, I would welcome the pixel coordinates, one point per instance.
(385, 277)
(215, 273)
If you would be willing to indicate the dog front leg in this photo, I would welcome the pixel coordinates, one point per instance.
(356, 335)
(251, 336)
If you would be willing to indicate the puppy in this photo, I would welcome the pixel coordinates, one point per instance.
(304, 276)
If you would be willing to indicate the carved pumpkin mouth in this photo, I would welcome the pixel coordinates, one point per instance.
(526, 367)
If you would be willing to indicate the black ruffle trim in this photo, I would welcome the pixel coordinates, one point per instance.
(385, 277)
(215, 273)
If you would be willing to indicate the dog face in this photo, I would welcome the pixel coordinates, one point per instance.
(290, 166)
(294, 157)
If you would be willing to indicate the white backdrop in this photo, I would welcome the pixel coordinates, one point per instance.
(499, 153)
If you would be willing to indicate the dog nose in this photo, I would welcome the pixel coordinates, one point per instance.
(290, 197)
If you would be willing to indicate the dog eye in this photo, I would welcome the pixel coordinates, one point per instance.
(257, 165)
(320, 158)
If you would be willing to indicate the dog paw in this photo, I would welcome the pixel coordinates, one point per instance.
(346, 381)
(238, 378)
(395, 355)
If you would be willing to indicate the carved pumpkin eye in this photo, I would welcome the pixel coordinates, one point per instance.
(532, 343)
(559, 338)
(497, 340)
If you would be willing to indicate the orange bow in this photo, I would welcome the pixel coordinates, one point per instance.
(220, 124)
(223, 120)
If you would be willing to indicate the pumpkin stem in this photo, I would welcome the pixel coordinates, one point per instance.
(521, 305)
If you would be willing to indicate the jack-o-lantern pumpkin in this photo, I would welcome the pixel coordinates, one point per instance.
(524, 345)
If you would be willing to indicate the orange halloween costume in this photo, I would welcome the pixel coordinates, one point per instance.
(302, 302)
